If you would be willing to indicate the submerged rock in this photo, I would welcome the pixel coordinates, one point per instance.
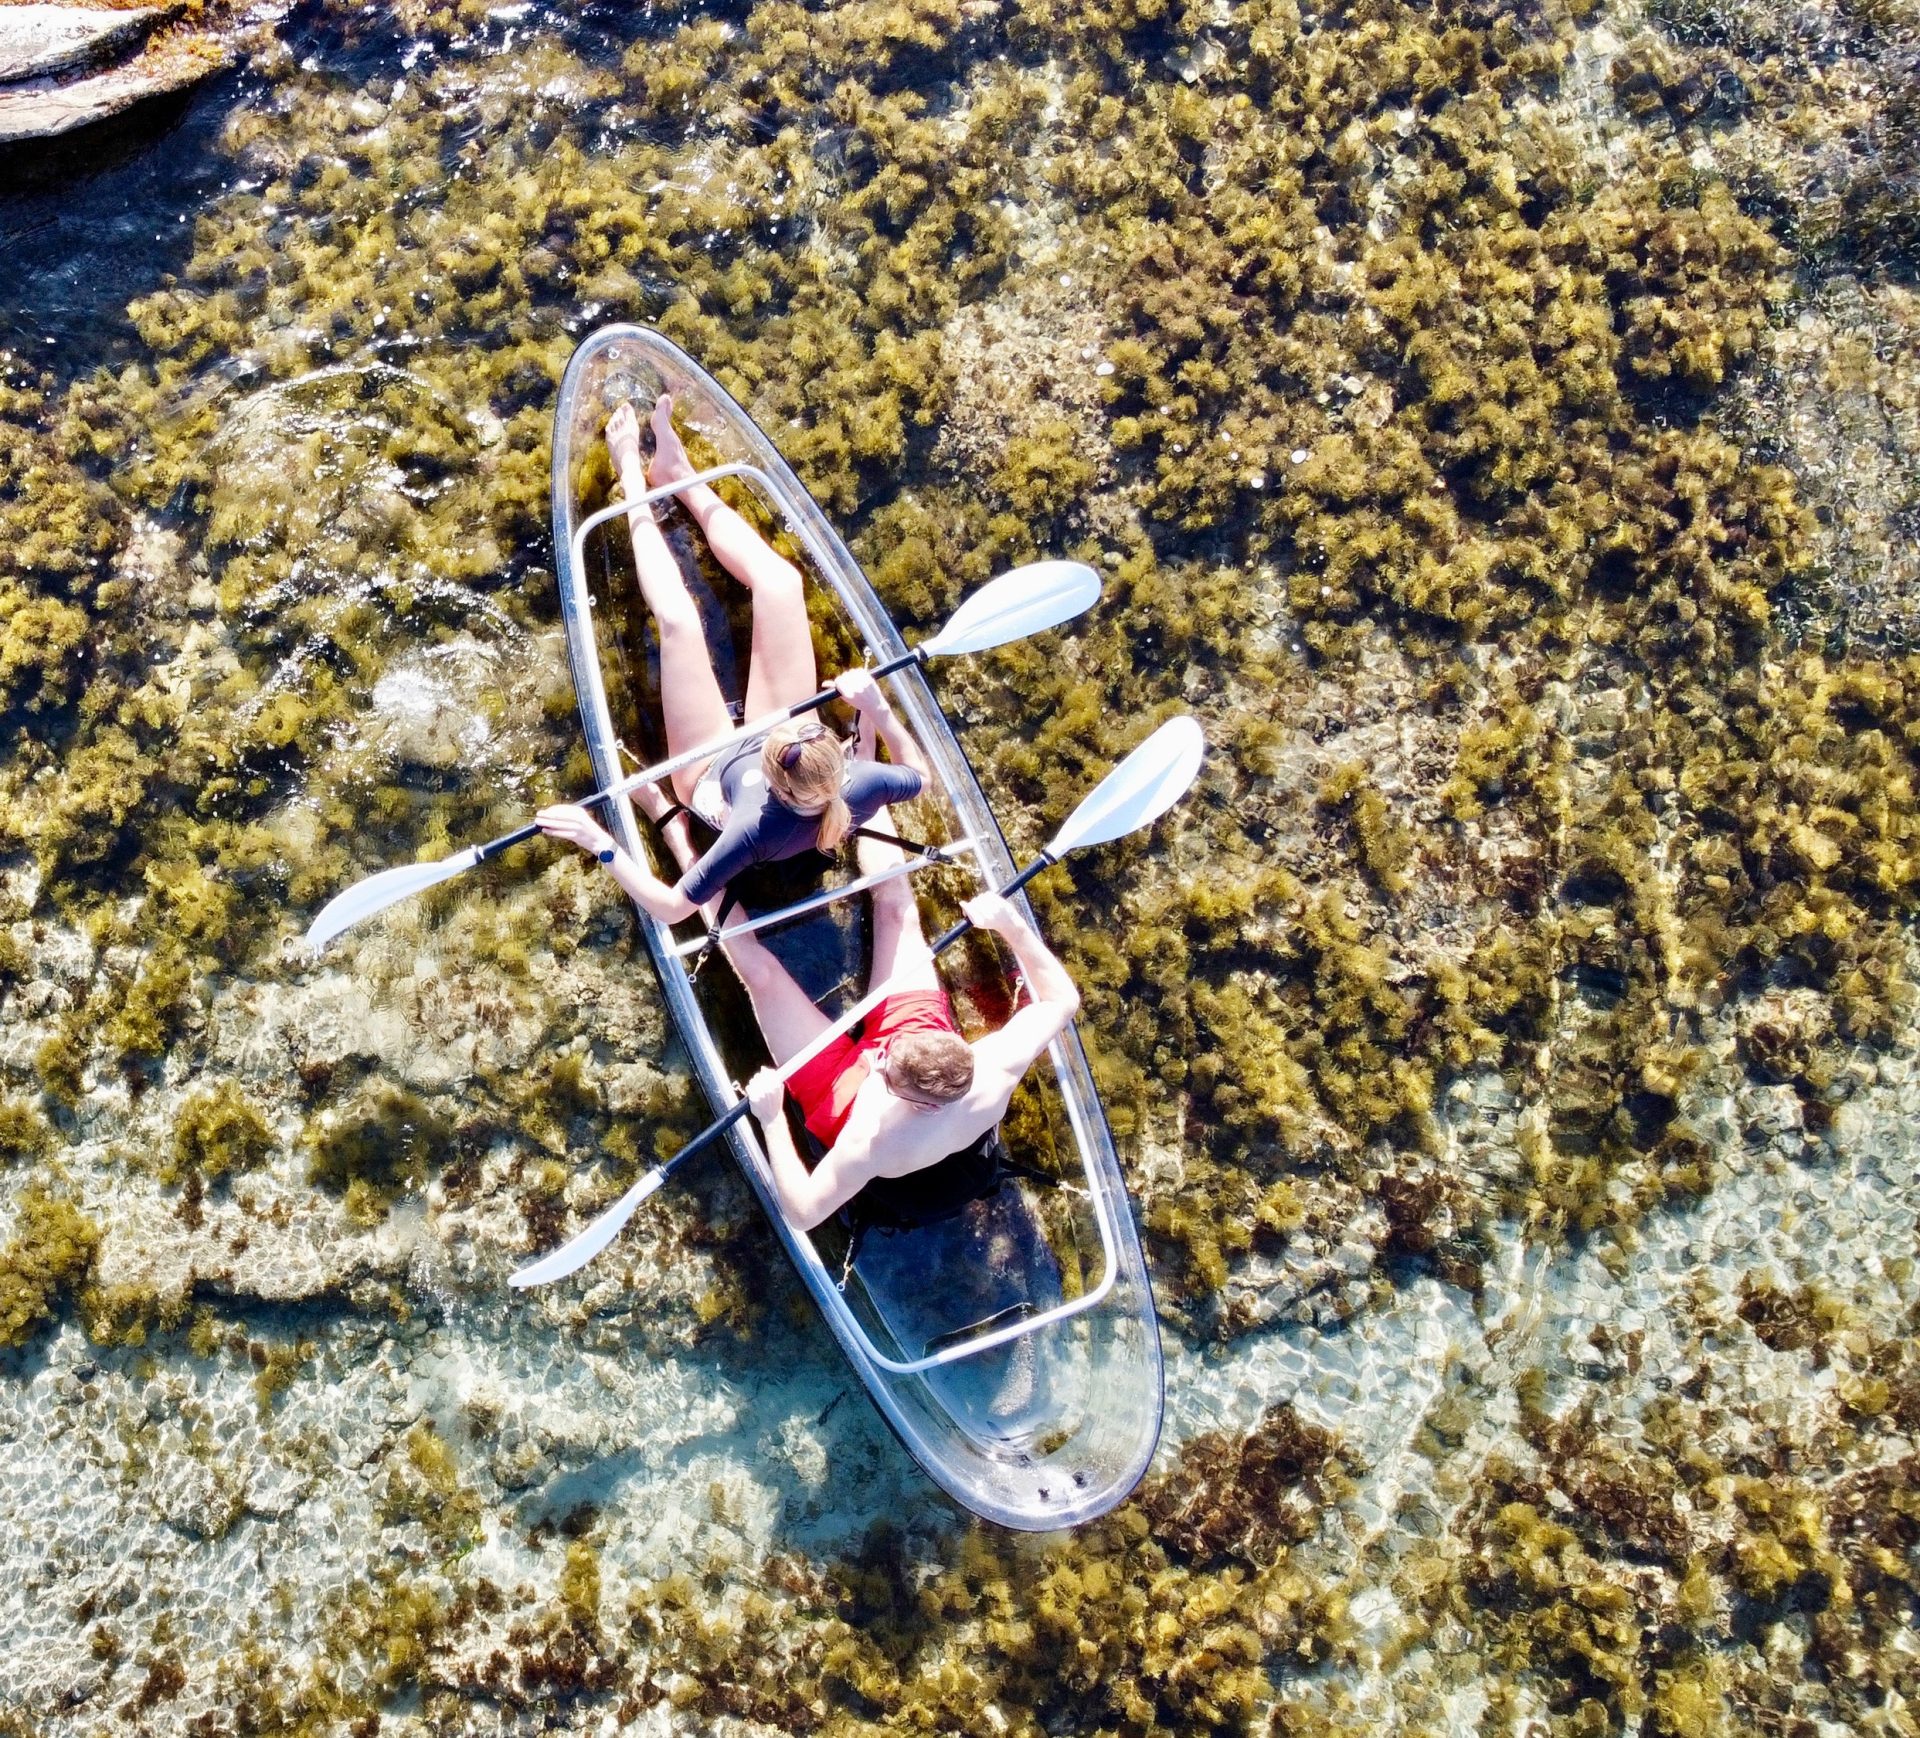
(431, 710)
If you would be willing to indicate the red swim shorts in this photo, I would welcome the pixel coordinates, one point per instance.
(824, 1089)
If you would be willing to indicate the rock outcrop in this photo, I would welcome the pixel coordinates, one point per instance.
(64, 67)
(38, 41)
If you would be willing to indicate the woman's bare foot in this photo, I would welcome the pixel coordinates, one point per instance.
(623, 446)
(670, 461)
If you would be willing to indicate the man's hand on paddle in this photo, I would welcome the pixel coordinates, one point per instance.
(767, 1094)
(806, 1197)
(1000, 1058)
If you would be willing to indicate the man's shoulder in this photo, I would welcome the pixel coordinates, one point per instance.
(852, 1149)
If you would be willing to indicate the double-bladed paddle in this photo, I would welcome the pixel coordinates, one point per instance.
(1026, 600)
(1139, 790)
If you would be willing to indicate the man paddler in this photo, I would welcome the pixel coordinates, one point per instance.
(904, 1089)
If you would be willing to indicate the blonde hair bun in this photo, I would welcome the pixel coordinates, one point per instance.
(806, 769)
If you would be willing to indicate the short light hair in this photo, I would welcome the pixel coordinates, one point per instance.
(939, 1065)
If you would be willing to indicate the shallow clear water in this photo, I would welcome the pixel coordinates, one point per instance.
(1483, 1328)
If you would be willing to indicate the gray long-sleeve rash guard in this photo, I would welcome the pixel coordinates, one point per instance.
(762, 829)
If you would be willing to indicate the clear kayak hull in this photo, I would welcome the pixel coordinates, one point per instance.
(1011, 1346)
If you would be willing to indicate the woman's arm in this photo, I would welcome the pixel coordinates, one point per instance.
(878, 720)
(571, 822)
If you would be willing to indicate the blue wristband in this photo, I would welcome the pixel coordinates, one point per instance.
(608, 855)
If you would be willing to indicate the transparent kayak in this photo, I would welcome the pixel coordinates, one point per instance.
(1011, 1346)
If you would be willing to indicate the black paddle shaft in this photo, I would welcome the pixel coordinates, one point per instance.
(727, 1119)
(799, 709)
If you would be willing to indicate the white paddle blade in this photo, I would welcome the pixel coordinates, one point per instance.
(1040, 595)
(571, 1257)
(377, 892)
(1139, 790)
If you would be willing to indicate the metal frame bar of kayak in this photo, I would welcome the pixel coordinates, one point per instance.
(830, 896)
(830, 1297)
(617, 509)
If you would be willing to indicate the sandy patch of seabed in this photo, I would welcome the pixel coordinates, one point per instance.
(163, 1509)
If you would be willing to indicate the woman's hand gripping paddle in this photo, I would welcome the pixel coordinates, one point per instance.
(1137, 792)
(1025, 601)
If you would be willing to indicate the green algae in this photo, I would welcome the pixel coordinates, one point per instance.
(129, 1313)
(1193, 359)
(1112, 1633)
(59, 1062)
(1248, 1499)
(218, 1132)
(1622, 1576)
(277, 1365)
(375, 1149)
(1382, 842)
(1839, 202)
(50, 1251)
(424, 1487)
(24, 1132)
(580, 1589)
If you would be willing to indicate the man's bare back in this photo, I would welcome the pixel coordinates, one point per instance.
(892, 1131)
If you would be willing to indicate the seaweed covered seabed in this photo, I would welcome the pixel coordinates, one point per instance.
(1498, 422)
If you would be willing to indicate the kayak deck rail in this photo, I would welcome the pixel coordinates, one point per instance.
(713, 474)
(830, 896)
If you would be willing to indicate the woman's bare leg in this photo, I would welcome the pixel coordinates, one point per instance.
(690, 696)
(782, 668)
(787, 1017)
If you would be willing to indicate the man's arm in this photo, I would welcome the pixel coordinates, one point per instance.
(1011, 1051)
(807, 1198)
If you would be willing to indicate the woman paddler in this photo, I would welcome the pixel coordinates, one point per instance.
(777, 796)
